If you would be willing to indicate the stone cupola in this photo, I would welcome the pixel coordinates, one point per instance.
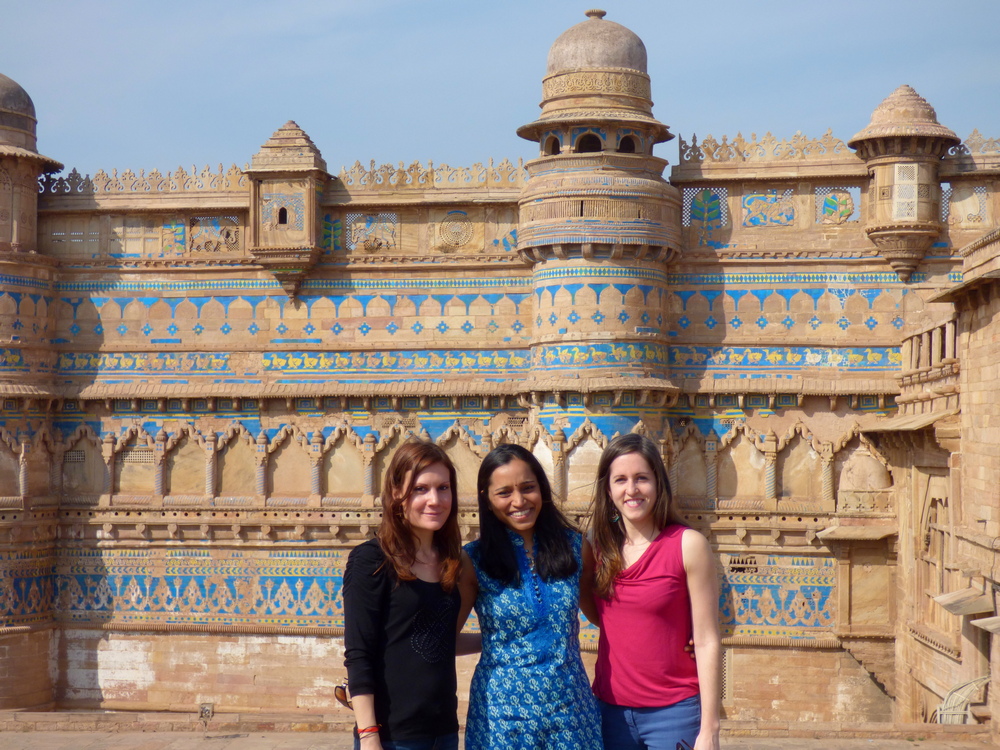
(903, 146)
(597, 221)
(20, 167)
(287, 176)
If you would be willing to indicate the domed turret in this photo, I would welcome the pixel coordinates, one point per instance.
(17, 125)
(902, 146)
(597, 221)
(904, 113)
(597, 45)
(596, 72)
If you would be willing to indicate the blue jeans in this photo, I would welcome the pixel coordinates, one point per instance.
(444, 742)
(625, 728)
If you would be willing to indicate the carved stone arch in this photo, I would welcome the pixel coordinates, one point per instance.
(583, 454)
(343, 464)
(587, 430)
(689, 470)
(83, 432)
(236, 430)
(236, 462)
(503, 435)
(10, 464)
(799, 470)
(798, 428)
(10, 440)
(184, 430)
(291, 433)
(133, 436)
(863, 477)
(346, 434)
(741, 467)
(185, 462)
(289, 469)
(135, 462)
(84, 472)
(464, 453)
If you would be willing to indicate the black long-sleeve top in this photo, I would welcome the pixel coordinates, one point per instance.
(399, 639)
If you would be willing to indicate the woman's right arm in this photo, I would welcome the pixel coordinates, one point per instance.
(364, 628)
(468, 588)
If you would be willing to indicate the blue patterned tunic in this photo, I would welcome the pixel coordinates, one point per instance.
(530, 690)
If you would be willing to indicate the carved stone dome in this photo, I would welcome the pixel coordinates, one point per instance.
(904, 113)
(17, 125)
(596, 73)
(597, 43)
(14, 99)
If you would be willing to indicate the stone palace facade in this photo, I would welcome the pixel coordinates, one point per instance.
(203, 376)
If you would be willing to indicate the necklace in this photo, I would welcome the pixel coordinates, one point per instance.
(435, 561)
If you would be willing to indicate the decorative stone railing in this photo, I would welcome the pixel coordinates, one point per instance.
(929, 379)
(388, 177)
(976, 144)
(802, 148)
(128, 182)
(768, 148)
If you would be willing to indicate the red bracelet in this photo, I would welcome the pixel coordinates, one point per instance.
(368, 730)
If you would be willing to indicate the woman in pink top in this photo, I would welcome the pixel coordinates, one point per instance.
(656, 588)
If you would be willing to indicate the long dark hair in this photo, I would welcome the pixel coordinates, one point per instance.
(554, 552)
(609, 535)
(394, 535)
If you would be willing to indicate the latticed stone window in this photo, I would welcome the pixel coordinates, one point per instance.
(904, 194)
(705, 205)
(963, 204)
(837, 205)
(372, 232)
(215, 234)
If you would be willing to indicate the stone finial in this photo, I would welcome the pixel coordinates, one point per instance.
(904, 113)
(596, 13)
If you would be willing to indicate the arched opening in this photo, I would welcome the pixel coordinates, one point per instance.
(551, 146)
(626, 145)
(282, 215)
(588, 144)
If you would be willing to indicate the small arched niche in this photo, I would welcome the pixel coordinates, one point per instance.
(626, 145)
(589, 143)
(551, 146)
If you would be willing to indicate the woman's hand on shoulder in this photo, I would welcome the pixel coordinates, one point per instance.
(587, 604)
(468, 588)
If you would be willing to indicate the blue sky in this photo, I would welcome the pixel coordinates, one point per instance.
(131, 84)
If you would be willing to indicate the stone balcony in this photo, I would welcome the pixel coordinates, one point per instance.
(929, 377)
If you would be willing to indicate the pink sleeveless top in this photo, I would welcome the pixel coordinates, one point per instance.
(645, 626)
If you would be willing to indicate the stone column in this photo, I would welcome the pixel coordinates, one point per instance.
(949, 340)
(828, 499)
(368, 455)
(160, 470)
(769, 446)
(262, 464)
(559, 467)
(22, 468)
(210, 464)
(316, 465)
(712, 469)
(108, 452)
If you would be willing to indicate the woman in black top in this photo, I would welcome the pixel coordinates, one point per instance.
(401, 607)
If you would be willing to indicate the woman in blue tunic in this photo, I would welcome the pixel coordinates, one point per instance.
(527, 574)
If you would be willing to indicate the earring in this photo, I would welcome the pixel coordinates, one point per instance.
(616, 518)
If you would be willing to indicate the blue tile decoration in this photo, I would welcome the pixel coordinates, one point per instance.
(777, 595)
(27, 586)
(279, 588)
